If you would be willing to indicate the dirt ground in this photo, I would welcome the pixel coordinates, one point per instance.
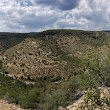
(5, 106)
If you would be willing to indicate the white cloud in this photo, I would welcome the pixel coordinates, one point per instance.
(26, 16)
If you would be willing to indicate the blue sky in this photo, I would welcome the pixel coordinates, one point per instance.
(38, 15)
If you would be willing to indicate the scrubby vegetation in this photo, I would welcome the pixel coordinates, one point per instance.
(8, 40)
(50, 92)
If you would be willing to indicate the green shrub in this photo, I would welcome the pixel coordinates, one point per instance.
(92, 99)
(0, 64)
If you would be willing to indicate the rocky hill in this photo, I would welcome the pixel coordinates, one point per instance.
(47, 53)
(5, 106)
(61, 63)
(81, 104)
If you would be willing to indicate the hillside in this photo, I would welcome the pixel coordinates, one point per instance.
(49, 52)
(57, 64)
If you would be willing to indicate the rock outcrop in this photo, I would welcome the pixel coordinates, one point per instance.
(5, 106)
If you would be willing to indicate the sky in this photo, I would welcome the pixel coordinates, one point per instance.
(39, 15)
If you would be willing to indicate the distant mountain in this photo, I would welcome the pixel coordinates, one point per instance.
(106, 30)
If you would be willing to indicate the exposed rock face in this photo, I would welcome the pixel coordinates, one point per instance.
(35, 57)
(77, 105)
(5, 106)
(81, 104)
(73, 45)
(29, 60)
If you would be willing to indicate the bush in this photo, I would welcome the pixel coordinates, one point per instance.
(92, 99)
(0, 64)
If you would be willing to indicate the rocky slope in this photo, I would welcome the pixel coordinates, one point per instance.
(87, 104)
(29, 60)
(50, 52)
(61, 62)
(5, 106)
